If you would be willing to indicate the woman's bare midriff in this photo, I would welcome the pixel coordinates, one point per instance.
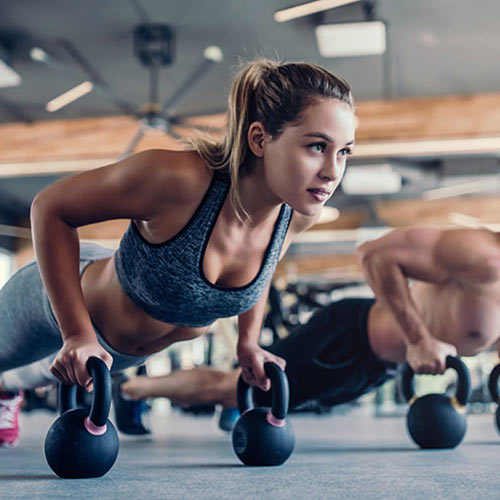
(130, 330)
(467, 318)
(125, 326)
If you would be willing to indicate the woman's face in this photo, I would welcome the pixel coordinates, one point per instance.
(304, 165)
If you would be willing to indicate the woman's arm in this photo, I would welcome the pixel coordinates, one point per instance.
(136, 188)
(389, 261)
(250, 356)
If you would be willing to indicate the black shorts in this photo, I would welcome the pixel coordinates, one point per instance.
(330, 357)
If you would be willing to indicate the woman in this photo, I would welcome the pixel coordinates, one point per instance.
(207, 228)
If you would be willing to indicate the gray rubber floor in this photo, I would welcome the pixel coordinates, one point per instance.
(349, 456)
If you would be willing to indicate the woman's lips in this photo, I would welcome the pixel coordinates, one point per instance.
(319, 194)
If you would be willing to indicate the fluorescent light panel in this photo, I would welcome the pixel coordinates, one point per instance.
(351, 39)
(8, 77)
(308, 8)
(69, 96)
(371, 179)
(489, 183)
(459, 145)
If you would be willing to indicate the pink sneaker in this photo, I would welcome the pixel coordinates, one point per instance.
(10, 404)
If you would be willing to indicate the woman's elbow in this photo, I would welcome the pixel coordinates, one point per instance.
(38, 206)
(42, 206)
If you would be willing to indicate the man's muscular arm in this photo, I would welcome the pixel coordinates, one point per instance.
(389, 261)
(470, 256)
(430, 254)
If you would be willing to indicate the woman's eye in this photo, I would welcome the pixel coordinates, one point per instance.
(318, 147)
(345, 152)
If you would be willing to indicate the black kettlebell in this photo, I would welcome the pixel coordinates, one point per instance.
(493, 387)
(263, 436)
(436, 420)
(79, 444)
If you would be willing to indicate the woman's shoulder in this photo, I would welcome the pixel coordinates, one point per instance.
(182, 175)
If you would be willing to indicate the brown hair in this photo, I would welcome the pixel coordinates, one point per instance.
(273, 94)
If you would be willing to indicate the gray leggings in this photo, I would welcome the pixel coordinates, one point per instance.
(29, 333)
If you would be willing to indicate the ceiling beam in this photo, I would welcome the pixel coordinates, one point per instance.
(438, 125)
(483, 209)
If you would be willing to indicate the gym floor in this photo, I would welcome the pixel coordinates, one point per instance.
(336, 456)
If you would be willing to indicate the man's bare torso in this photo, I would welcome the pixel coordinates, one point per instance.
(466, 316)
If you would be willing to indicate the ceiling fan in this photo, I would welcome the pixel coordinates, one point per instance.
(154, 47)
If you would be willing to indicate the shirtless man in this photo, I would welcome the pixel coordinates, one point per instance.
(451, 306)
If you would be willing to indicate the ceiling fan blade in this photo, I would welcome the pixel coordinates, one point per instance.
(211, 55)
(133, 143)
(98, 81)
(175, 134)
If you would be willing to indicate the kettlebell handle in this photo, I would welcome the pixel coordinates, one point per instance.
(279, 386)
(463, 385)
(493, 384)
(101, 401)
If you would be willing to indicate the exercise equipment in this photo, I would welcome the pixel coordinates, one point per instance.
(493, 388)
(436, 420)
(80, 444)
(263, 436)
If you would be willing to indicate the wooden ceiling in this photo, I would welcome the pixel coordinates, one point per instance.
(386, 123)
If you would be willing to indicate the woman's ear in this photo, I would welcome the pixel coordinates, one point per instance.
(256, 139)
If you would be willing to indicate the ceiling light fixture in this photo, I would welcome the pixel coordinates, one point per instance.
(455, 146)
(69, 96)
(351, 39)
(8, 76)
(38, 54)
(308, 8)
(371, 180)
(462, 188)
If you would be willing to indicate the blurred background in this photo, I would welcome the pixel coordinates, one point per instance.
(85, 83)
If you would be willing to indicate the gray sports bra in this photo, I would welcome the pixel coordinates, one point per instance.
(167, 281)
